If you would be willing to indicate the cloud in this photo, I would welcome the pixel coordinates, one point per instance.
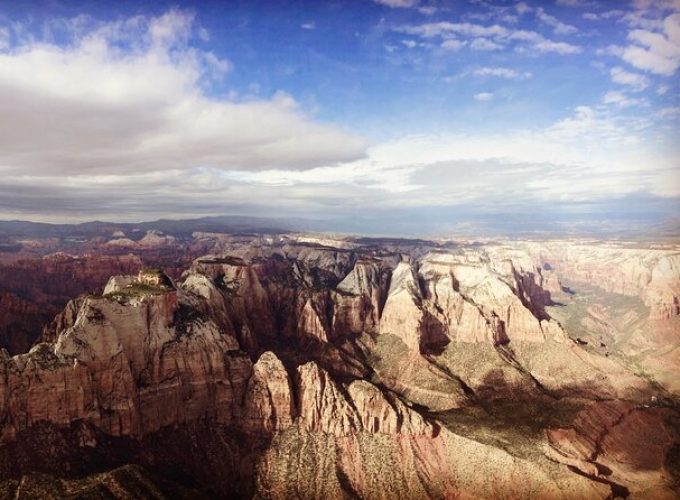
(508, 73)
(620, 99)
(571, 3)
(309, 25)
(671, 111)
(586, 157)
(483, 96)
(537, 43)
(431, 30)
(655, 51)
(452, 45)
(484, 44)
(127, 96)
(522, 8)
(559, 28)
(491, 37)
(610, 14)
(634, 80)
(545, 46)
(204, 34)
(404, 4)
(579, 3)
(428, 10)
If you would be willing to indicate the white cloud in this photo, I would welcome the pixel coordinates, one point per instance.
(216, 65)
(404, 4)
(634, 80)
(452, 45)
(557, 47)
(558, 26)
(671, 111)
(309, 25)
(620, 99)
(498, 35)
(543, 45)
(428, 10)
(508, 73)
(523, 8)
(484, 44)
(430, 30)
(409, 43)
(599, 133)
(204, 34)
(571, 3)
(610, 14)
(655, 51)
(610, 50)
(143, 108)
(483, 96)
(538, 43)
(587, 156)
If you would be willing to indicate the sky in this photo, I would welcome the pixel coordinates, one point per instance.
(416, 115)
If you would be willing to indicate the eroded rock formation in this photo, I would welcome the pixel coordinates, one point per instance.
(343, 371)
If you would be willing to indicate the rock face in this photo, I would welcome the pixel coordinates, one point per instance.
(296, 368)
(46, 285)
(268, 405)
(18, 320)
(61, 275)
(650, 274)
(627, 445)
(123, 364)
(403, 315)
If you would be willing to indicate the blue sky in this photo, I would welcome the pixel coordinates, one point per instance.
(133, 110)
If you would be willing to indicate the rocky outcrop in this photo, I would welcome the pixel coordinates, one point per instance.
(323, 405)
(268, 405)
(62, 276)
(359, 301)
(623, 445)
(403, 314)
(46, 285)
(154, 239)
(662, 294)
(382, 412)
(331, 408)
(19, 321)
(310, 322)
(482, 303)
(653, 275)
(127, 365)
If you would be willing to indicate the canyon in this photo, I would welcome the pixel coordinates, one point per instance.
(289, 365)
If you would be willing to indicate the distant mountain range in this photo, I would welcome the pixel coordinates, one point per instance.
(415, 225)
